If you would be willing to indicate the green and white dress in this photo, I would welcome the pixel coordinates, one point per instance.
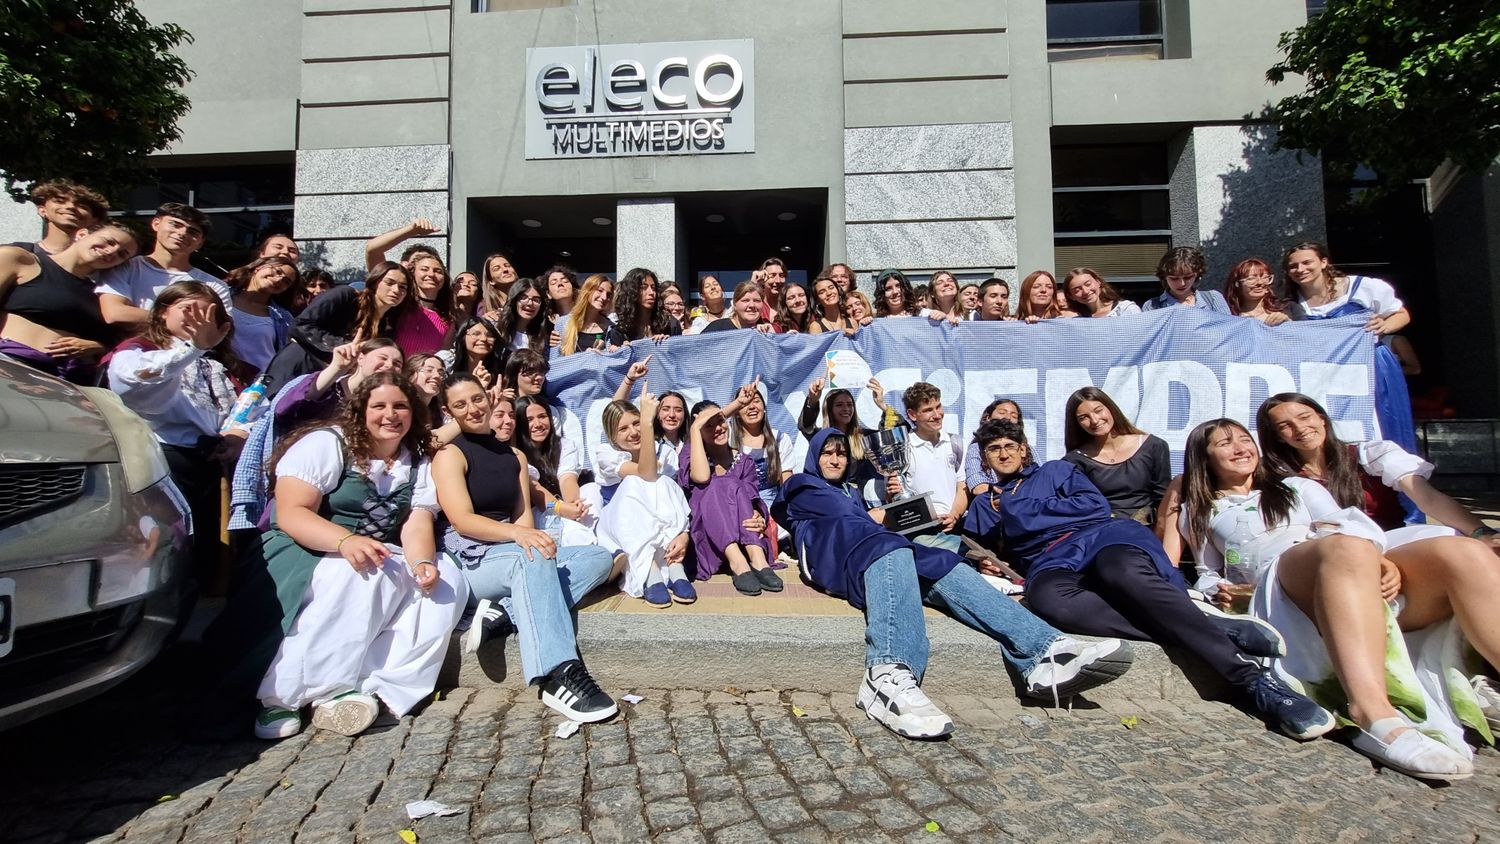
(344, 630)
(1427, 670)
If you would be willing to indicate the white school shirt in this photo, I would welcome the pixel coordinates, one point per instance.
(934, 468)
(140, 281)
(318, 460)
(1390, 462)
(181, 394)
(1374, 294)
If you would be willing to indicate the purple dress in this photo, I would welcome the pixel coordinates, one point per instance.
(718, 509)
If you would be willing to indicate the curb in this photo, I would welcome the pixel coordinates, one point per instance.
(807, 653)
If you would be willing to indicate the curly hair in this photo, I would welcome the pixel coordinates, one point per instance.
(1184, 260)
(628, 305)
(1004, 429)
(350, 420)
(93, 201)
(908, 298)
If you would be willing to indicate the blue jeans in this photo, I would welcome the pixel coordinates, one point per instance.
(543, 593)
(896, 632)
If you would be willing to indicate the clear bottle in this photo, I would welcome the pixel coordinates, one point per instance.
(1239, 559)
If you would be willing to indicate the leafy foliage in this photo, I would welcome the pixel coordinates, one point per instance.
(88, 88)
(1396, 85)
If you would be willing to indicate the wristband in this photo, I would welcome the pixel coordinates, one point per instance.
(339, 548)
(551, 506)
(1482, 531)
(422, 562)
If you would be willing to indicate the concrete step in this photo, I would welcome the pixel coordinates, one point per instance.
(816, 653)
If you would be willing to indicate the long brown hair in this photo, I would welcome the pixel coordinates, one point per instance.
(351, 421)
(1199, 490)
(1331, 274)
(368, 322)
(156, 333)
(238, 279)
(767, 433)
(1340, 468)
(1107, 292)
(1073, 434)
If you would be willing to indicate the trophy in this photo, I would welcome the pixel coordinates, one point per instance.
(906, 514)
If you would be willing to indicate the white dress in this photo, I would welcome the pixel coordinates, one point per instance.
(1392, 464)
(374, 633)
(1426, 677)
(580, 532)
(639, 517)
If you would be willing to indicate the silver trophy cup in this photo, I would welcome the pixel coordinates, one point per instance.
(906, 513)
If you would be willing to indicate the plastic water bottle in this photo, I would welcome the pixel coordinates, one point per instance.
(244, 411)
(1239, 561)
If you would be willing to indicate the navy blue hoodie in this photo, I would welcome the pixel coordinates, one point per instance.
(835, 538)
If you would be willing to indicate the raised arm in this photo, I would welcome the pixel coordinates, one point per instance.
(377, 246)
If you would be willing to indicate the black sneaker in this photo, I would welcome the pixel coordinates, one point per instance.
(570, 690)
(1253, 636)
(1292, 712)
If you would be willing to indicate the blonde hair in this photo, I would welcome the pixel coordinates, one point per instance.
(569, 343)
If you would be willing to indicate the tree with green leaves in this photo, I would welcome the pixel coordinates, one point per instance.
(88, 89)
(1396, 85)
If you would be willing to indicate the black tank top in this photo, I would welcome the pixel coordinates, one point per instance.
(61, 301)
(494, 475)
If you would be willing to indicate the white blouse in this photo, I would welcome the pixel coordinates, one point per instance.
(1374, 294)
(1314, 514)
(318, 460)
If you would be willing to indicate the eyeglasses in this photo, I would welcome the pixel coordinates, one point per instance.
(1003, 449)
(1255, 281)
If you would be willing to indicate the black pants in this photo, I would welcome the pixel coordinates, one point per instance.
(1122, 595)
(197, 475)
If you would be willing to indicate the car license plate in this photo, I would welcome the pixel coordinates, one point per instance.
(7, 614)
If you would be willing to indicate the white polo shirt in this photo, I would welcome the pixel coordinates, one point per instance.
(934, 468)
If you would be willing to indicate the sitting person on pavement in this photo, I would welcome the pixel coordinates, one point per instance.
(843, 550)
(1095, 575)
(483, 486)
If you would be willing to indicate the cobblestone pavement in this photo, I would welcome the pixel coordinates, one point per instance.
(724, 766)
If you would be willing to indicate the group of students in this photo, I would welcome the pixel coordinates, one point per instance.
(398, 469)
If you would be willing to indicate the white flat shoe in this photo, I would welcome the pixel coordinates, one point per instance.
(1411, 752)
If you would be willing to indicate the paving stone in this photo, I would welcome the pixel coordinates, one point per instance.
(861, 782)
(782, 814)
(620, 799)
(669, 814)
(842, 820)
(723, 812)
(748, 832)
(555, 822)
(664, 785)
(622, 829)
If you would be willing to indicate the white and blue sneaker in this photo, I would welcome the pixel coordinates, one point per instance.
(1070, 666)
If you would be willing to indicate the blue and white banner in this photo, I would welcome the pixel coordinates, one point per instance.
(1168, 371)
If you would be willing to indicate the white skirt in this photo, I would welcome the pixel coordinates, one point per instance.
(1424, 669)
(375, 633)
(642, 519)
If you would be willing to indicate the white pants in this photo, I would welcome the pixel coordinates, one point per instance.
(642, 519)
(375, 633)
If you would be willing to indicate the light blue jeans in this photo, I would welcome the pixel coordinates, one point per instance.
(542, 594)
(896, 632)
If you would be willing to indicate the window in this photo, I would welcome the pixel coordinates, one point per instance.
(1089, 29)
(1111, 211)
(243, 204)
(1315, 7)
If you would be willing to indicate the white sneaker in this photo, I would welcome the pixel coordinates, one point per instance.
(1412, 753)
(349, 714)
(891, 697)
(274, 723)
(1489, 700)
(1070, 666)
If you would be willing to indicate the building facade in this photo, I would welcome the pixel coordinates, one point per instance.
(971, 135)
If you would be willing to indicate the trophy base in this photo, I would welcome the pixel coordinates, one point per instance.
(910, 516)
